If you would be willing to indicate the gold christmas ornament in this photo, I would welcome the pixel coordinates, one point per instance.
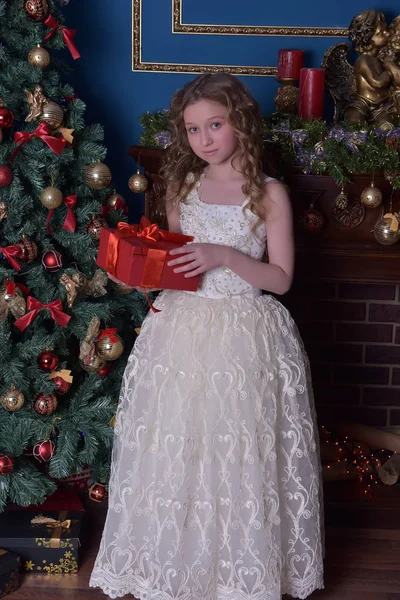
(95, 225)
(39, 57)
(36, 101)
(342, 200)
(92, 363)
(386, 230)
(52, 114)
(113, 421)
(12, 399)
(371, 196)
(108, 349)
(51, 197)
(97, 176)
(138, 183)
(79, 283)
(116, 201)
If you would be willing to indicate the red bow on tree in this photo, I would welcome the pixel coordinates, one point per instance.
(43, 132)
(70, 220)
(34, 306)
(68, 35)
(108, 333)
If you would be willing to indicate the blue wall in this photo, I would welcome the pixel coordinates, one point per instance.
(116, 96)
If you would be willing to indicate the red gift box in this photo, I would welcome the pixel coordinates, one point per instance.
(137, 255)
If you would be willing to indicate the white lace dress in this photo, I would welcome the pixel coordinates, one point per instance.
(215, 482)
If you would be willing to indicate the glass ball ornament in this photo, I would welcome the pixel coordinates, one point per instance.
(52, 261)
(138, 183)
(97, 492)
(383, 232)
(116, 201)
(110, 349)
(93, 228)
(44, 405)
(36, 10)
(39, 57)
(6, 175)
(28, 249)
(44, 451)
(6, 464)
(51, 197)
(313, 220)
(93, 363)
(97, 176)
(105, 370)
(52, 114)
(47, 361)
(12, 399)
(6, 117)
(371, 196)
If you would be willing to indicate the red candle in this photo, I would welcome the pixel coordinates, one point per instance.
(311, 93)
(289, 64)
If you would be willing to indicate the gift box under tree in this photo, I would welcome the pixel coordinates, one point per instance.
(10, 565)
(47, 537)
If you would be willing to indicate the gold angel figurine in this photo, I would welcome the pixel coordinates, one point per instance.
(36, 100)
(363, 92)
(390, 56)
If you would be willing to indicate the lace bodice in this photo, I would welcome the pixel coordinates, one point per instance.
(228, 225)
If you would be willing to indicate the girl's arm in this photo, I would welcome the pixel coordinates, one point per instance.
(277, 275)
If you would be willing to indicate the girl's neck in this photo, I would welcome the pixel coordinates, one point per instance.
(223, 172)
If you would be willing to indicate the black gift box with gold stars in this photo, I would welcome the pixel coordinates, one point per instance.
(47, 541)
(10, 565)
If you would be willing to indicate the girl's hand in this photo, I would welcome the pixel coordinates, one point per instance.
(199, 258)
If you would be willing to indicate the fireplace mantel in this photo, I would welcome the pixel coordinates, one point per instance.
(335, 251)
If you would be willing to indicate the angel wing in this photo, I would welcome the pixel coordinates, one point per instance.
(339, 77)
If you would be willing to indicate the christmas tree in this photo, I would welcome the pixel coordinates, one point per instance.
(65, 329)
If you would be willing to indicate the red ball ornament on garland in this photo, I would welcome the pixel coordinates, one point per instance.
(47, 361)
(6, 176)
(313, 220)
(62, 386)
(36, 10)
(97, 492)
(6, 116)
(44, 450)
(105, 370)
(52, 260)
(44, 405)
(6, 464)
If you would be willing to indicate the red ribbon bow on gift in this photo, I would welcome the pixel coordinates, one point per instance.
(34, 306)
(70, 220)
(43, 132)
(108, 333)
(11, 286)
(9, 252)
(68, 35)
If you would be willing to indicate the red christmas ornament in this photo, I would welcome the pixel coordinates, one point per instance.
(44, 451)
(28, 249)
(6, 176)
(313, 220)
(47, 361)
(97, 492)
(6, 464)
(62, 386)
(6, 116)
(52, 260)
(105, 370)
(36, 10)
(44, 405)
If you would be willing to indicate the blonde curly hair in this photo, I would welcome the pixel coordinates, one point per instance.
(243, 115)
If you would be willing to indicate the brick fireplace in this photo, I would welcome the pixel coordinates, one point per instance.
(351, 331)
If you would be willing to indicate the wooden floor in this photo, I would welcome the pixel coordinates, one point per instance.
(361, 564)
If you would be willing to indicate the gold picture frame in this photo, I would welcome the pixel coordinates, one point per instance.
(275, 30)
(178, 27)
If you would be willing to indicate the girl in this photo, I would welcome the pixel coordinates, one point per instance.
(215, 481)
